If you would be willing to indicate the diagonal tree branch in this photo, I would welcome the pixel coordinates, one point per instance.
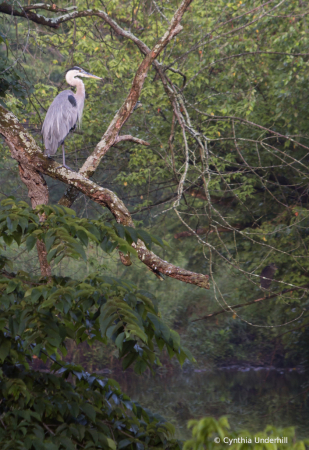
(25, 150)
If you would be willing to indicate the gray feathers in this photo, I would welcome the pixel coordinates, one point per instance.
(61, 118)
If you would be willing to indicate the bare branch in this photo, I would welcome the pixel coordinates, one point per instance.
(128, 137)
(48, 429)
(53, 8)
(261, 299)
(212, 229)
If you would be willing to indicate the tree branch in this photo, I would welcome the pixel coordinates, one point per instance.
(230, 308)
(26, 12)
(128, 137)
(212, 229)
(25, 150)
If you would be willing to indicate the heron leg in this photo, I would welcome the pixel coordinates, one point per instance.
(63, 158)
(63, 155)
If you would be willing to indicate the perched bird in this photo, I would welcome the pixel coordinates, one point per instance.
(267, 275)
(64, 112)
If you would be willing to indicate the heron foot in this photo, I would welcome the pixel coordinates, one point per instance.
(65, 166)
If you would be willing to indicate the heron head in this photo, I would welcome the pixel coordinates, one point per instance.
(78, 72)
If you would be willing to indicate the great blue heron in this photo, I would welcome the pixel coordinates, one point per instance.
(64, 112)
(267, 275)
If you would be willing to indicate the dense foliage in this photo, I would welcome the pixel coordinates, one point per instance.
(39, 315)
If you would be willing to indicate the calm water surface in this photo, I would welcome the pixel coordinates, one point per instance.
(252, 398)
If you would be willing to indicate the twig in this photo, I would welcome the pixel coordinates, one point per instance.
(48, 429)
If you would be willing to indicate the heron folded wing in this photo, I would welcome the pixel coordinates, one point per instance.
(60, 118)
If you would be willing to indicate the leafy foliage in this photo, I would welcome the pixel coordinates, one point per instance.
(63, 233)
(38, 315)
(43, 411)
(12, 81)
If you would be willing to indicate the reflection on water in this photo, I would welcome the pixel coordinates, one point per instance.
(252, 399)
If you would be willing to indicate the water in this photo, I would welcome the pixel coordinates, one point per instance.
(252, 398)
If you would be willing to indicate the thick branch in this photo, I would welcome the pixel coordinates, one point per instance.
(25, 150)
(26, 12)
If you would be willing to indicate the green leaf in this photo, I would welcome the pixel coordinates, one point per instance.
(145, 237)
(105, 322)
(35, 295)
(30, 242)
(131, 234)
(59, 258)
(51, 254)
(11, 286)
(7, 239)
(5, 347)
(83, 237)
(124, 443)
(119, 340)
(157, 240)
(49, 242)
(89, 411)
(140, 367)
(120, 230)
(129, 359)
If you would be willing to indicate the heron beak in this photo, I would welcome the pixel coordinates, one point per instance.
(90, 75)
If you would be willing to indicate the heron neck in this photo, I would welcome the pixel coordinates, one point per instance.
(80, 98)
(80, 88)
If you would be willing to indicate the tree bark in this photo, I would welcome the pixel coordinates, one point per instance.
(39, 195)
